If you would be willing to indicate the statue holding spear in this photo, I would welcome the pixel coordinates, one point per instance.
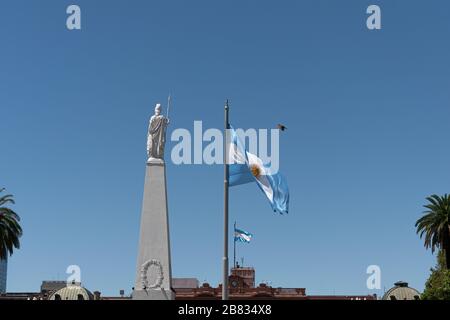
(156, 137)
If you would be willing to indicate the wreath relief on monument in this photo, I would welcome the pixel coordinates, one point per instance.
(159, 274)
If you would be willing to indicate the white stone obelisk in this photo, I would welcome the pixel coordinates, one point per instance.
(154, 273)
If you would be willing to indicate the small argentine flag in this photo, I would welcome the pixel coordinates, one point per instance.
(242, 236)
(245, 167)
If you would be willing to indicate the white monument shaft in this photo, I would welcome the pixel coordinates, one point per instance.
(154, 273)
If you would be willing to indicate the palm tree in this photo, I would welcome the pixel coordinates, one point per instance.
(10, 230)
(435, 225)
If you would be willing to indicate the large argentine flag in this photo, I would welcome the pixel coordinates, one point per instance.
(245, 167)
(242, 236)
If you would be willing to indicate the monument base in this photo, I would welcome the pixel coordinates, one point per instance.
(153, 294)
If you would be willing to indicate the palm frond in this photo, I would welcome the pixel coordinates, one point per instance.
(434, 225)
(10, 229)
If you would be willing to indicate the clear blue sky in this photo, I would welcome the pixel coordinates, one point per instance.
(367, 140)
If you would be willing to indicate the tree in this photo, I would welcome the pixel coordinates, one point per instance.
(437, 286)
(10, 229)
(435, 225)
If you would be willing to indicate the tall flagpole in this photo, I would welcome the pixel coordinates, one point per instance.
(225, 209)
(234, 243)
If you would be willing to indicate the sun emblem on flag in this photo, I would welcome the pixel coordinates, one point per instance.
(256, 170)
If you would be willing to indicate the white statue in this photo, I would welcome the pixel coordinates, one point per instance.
(156, 135)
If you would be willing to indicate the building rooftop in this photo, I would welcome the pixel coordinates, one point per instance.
(401, 291)
(185, 283)
(72, 292)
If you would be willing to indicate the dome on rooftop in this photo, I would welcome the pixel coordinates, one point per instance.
(72, 291)
(401, 291)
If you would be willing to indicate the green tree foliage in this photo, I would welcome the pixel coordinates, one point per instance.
(10, 229)
(437, 286)
(435, 225)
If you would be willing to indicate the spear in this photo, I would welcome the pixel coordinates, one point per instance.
(168, 106)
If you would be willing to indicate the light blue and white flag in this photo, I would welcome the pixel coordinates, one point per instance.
(242, 236)
(245, 167)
